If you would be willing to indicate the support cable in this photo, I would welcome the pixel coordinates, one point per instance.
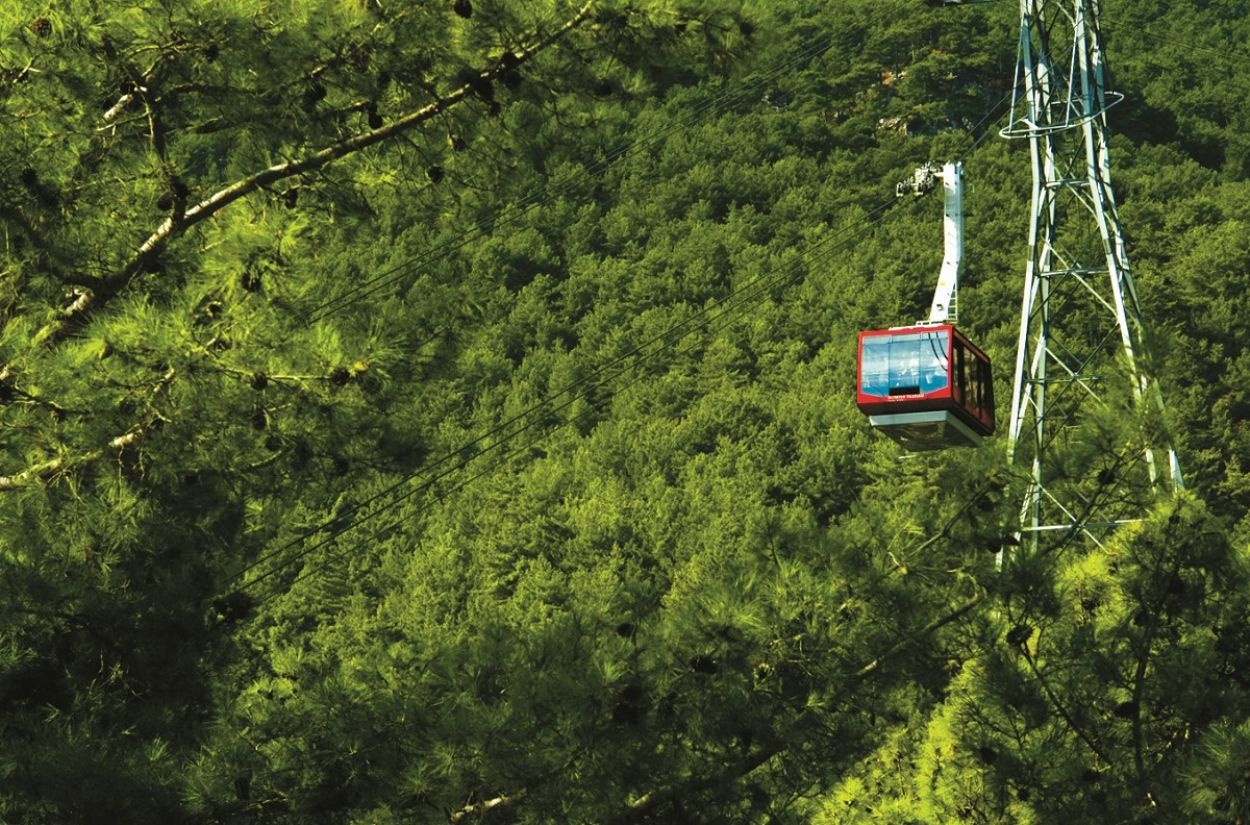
(544, 194)
(461, 457)
(749, 293)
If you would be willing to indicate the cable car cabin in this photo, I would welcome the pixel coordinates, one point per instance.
(927, 387)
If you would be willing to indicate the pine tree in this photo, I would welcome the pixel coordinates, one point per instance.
(498, 463)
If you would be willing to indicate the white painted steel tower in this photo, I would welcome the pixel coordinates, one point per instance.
(1082, 350)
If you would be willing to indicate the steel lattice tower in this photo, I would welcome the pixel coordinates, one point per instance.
(1082, 349)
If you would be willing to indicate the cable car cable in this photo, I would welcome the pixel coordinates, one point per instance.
(991, 114)
(1111, 25)
(544, 195)
(760, 282)
(534, 199)
(745, 294)
(442, 495)
(812, 51)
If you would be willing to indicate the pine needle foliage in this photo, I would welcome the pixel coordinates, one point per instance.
(442, 412)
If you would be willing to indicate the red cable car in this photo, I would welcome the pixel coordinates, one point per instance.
(926, 386)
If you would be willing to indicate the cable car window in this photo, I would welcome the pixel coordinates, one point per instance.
(905, 364)
(985, 388)
(874, 365)
(979, 381)
(960, 387)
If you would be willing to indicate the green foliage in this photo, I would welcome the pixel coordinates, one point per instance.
(506, 467)
(1103, 687)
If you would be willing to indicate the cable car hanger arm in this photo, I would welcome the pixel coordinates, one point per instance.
(944, 308)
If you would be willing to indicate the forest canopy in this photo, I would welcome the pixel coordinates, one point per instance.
(445, 412)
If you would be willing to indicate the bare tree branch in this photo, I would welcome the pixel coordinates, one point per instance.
(115, 110)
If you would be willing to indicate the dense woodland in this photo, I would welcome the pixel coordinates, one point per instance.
(443, 411)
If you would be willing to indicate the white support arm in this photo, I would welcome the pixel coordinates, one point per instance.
(945, 297)
(924, 180)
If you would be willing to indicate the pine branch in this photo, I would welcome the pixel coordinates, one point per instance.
(1139, 675)
(88, 301)
(9, 390)
(480, 808)
(174, 226)
(49, 470)
(932, 627)
(1063, 711)
(648, 804)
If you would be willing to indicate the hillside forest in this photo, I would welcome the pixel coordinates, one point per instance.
(444, 412)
